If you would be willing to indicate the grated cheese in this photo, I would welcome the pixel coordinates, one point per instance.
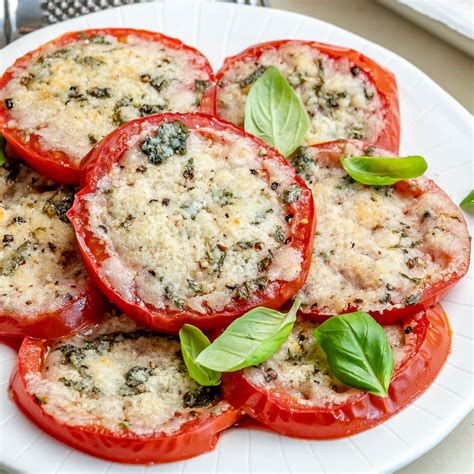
(193, 241)
(40, 265)
(301, 368)
(376, 249)
(74, 96)
(123, 378)
(339, 103)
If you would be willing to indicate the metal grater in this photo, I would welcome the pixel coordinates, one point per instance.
(24, 16)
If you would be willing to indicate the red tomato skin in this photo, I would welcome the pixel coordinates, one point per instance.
(193, 438)
(432, 293)
(55, 164)
(383, 80)
(284, 414)
(101, 159)
(12, 342)
(84, 310)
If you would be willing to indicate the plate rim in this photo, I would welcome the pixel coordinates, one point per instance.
(467, 404)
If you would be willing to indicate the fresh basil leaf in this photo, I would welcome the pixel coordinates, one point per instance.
(274, 112)
(3, 142)
(358, 351)
(383, 171)
(468, 203)
(193, 342)
(249, 340)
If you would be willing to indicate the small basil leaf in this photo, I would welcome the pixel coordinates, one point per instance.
(193, 342)
(358, 351)
(249, 340)
(2, 153)
(383, 171)
(468, 203)
(274, 112)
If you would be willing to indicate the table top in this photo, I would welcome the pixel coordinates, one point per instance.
(439, 60)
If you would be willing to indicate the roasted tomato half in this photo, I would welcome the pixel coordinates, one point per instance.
(119, 392)
(45, 290)
(184, 218)
(390, 250)
(295, 393)
(59, 100)
(345, 94)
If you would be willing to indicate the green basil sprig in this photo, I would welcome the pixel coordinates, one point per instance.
(274, 112)
(193, 342)
(2, 153)
(383, 171)
(358, 351)
(249, 340)
(468, 203)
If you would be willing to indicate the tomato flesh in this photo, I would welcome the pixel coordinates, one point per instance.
(283, 413)
(383, 80)
(100, 161)
(413, 189)
(191, 439)
(84, 310)
(56, 164)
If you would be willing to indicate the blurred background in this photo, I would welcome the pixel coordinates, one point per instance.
(435, 35)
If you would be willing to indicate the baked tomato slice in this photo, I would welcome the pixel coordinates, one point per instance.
(80, 312)
(184, 218)
(119, 392)
(57, 101)
(295, 393)
(391, 251)
(45, 288)
(346, 94)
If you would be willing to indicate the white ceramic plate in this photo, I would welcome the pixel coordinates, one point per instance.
(434, 125)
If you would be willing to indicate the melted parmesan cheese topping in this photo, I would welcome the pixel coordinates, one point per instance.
(196, 230)
(123, 378)
(375, 248)
(340, 99)
(301, 368)
(71, 97)
(40, 265)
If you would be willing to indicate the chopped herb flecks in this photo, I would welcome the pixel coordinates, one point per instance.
(301, 161)
(200, 86)
(292, 194)
(170, 138)
(90, 61)
(278, 235)
(136, 378)
(188, 172)
(245, 290)
(201, 397)
(173, 297)
(17, 259)
(59, 204)
(151, 109)
(99, 92)
(412, 300)
(117, 117)
(250, 79)
(158, 83)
